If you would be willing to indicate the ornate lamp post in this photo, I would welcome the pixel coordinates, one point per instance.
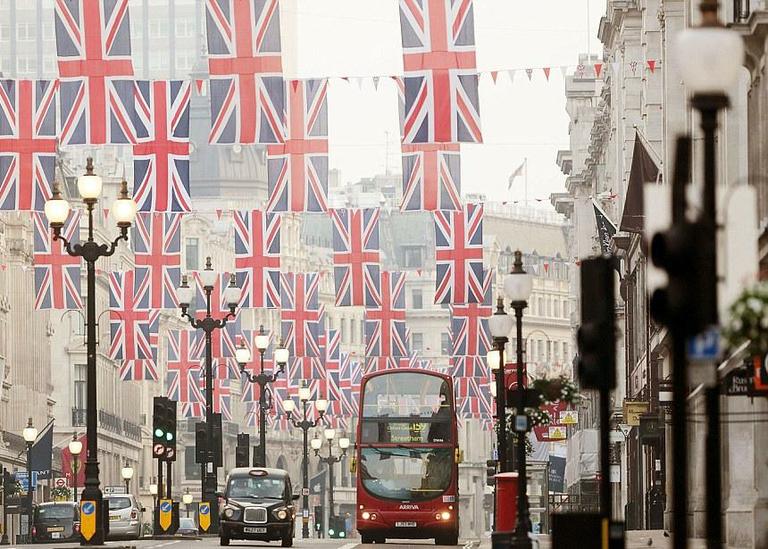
(187, 500)
(208, 324)
(500, 325)
(518, 286)
(124, 211)
(75, 447)
(127, 474)
(263, 380)
(30, 435)
(330, 460)
(305, 425)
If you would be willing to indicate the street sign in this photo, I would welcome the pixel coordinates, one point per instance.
(704, 347)
(60, 482)
(204, 516)
(111, 490)
(21, 476)
(166, 513)
(87, 519)
(305, 491)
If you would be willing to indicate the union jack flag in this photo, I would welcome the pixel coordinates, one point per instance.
(222, 398)
(350, 374)
(300, 313)
(385, 323)
(129, 328)
(157, 249)
(257, 258)
(224, 341)
(431, 177)
(332, 371)
(278, 418)
(222, 368)
(473, 408)
(459, 255)
(250, 391)
(469, 323)
(183, 365)
(246, 84)
(440, 82)
(379, 363)
(467, 386)
(161, 154)
(57, 274)
(297, 170)
(93, 44)
(413, 361)
(356, 256)
(307, 369)
(27, 143)
(144, 369)
(470, 366)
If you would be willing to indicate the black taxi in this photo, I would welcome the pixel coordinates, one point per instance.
(258, 505)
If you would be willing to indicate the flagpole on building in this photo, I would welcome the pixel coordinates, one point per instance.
(525, 162)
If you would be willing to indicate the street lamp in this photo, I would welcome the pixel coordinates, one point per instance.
(330, 460)
(243, 356)
(500, 325)
(75, 447)
(518, 286)
(187, 499)
(127, 474)
(305, 425)
(124, 211)
(208, 324)
(30, 434)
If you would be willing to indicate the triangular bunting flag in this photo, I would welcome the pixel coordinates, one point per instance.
(580, 70)
(564, 70)
(598, 69)
(494, 76)
(511, 74)
(529, 74)
(633, 66)
(219, 212)
(651, 65)
(199, 86)
(615, 66)
(376, 83)
(546, 73)
(295, 85)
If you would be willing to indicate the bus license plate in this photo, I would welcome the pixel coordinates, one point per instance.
(255, 530)
(405, 525)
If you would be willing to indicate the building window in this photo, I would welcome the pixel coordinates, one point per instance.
(565, 351)
(417, 341)
(413, 256)
(418, 299)
(81, 375)
(185, 28)
(549, 351)
(192, 254)
(25, 65)
(557, 308)
(344, 331)
(158, 28)
(446, 345)
(25, 31)
(540, 351)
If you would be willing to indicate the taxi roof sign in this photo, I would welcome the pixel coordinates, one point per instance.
(258, 473)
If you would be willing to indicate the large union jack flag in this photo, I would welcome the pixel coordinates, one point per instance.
(297, 170)
(459, 255)
(222, 399)
(350, 373)
(246, 84)
(332, 364)
(183, 364)
(385, 332)
(356, 261)
(57, 274)
(300, 313)
(257, 258)
(431, 177)
(469, 323)
(161, 154)
(440, 82)
(129, 328)
(27, 143)
(145, 369)
(470, 366)
(93, 44)
(224, 341)
(309, 370)
(157, 251)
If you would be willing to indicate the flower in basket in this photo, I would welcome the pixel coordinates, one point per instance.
(558, 389)
(748, 320)
(60, 493)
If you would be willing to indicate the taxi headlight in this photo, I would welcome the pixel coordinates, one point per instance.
(281, 513)
(231, 512)
(445, 515)
(366, 515)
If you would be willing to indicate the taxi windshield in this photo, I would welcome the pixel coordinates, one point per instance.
(256, 487)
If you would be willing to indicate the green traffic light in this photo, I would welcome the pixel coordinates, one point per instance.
(169, 436)
(159, 433)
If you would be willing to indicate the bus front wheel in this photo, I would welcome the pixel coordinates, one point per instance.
(447, 540)
(366, 538)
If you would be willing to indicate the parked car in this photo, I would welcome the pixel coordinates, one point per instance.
(258, 505)
(187, 527)
(125, 516)
(54, 521)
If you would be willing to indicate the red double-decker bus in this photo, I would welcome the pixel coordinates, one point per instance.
(407, 457)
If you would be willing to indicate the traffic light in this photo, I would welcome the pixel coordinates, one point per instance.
(490, 472)
(201, 442)
(337, 527)
(170, 433)
(217, 456)
(242, 450)
(597, 334)
(160, 426)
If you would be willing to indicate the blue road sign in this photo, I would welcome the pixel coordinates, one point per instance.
(165, 507)
(88, 508)
(21, 476)
(204, 509)
(705, 346)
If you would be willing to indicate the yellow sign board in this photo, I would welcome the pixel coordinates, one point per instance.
(633, 409)
(166, 513)
(569, 417)
(557, 433)
(88, 519)
(204, 516)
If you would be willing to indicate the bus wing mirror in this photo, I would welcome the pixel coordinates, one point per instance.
(459, 456)
(295, 497)
(353, 465)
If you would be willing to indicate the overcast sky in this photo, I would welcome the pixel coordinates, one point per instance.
(519, 120)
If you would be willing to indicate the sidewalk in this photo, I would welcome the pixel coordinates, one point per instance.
(635, 539)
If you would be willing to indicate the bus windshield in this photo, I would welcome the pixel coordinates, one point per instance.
(406, 395)
(406, 474)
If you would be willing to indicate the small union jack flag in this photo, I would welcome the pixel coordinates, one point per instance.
(440, 83)
(144, 369)
(300, 313)
(129, 328)
(222, 396)
(470, 366)
(332, 371)
(157, 251)
(379, 363)
(246, 84)
(459, 255)
(224, 340)
(309, 370)
(385, 324)
(27, 143)
(356, 256)
(161, 154)
(57, 274)
(469, 323)
(223, 368)
(431, 177)
(257, 258)
(183, 364)
(93, 44)
(297, 170)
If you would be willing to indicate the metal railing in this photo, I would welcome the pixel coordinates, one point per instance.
(109, 422)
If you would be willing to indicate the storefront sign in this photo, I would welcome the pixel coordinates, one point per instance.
(633, 409)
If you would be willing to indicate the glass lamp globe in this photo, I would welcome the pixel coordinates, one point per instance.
(343, 443)
(518, 286)
(281, 355)
(89, 184)
(29, 433)
(316, 443)
(494, 360)
(124, 208)
(232, 293)
(126, 473)
(709, 58)
(304, 393)
(184, 292)
(321, 404)
(187, 498)
(75, 447)
(289, 405)
(492, 386)
(56, 209)
(153, 489)
(329, 434)
(500, 323)
(242, 354)
(208, 275)
(262, 340)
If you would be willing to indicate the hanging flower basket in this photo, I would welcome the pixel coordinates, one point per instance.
(558, 389)
(60, 493)
(748, 321)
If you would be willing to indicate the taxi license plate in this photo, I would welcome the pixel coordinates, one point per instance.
(254, 530)
(55, 535)
(405, 525)
(56, 529)
(114, 517)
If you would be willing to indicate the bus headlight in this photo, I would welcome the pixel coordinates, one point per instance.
(445, 515)
(366, 515)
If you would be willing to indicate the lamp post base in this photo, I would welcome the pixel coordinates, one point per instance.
(521, 540)
(501, 540)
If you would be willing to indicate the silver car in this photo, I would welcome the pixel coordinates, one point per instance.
(125, 516)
